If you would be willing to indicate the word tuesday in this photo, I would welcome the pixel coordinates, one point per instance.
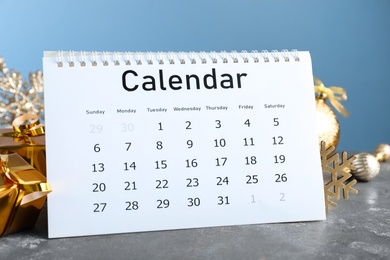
(175, 82)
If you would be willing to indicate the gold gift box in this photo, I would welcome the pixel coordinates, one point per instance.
(27, 139)
(23, 192)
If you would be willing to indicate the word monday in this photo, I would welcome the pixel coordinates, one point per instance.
(175, 82)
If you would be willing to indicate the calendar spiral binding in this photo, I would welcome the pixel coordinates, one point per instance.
(150, 58)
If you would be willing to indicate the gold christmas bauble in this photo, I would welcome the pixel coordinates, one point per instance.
(366, 167)
(382, 152)
(328, 126)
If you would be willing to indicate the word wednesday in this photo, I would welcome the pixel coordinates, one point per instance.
(175, 82)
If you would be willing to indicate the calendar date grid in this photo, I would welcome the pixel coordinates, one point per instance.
(219, 177)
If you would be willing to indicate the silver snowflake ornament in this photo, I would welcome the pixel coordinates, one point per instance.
(18, 97)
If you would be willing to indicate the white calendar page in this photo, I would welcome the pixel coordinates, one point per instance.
(141, 147)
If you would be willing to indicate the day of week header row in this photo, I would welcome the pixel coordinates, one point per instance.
(183, 109)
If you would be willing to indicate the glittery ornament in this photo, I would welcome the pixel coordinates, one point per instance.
(328, 126)
(382, 152)
(366, 167)
(19, 97)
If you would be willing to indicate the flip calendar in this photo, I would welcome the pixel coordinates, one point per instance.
(161, 141)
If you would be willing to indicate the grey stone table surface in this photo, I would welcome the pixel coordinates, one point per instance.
(359, 228)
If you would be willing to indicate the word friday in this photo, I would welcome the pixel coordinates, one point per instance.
(175, 82)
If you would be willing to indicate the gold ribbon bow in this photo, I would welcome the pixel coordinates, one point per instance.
(25, 126)
(23, 174)
(23, 192)
(334, 94)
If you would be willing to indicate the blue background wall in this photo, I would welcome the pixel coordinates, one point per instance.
(349, 41)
